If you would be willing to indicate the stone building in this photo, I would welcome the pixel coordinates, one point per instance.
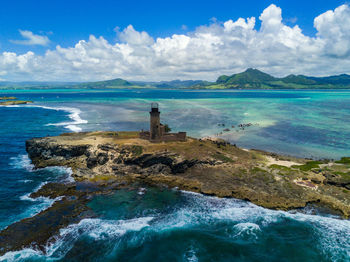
(157, 131)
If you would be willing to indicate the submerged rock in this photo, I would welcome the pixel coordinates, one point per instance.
(36, 231)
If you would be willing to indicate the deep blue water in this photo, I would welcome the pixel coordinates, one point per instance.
(157, 225)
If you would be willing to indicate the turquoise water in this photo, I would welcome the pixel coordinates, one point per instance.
(149, 224)
(313, 124)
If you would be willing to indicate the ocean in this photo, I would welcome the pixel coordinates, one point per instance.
(153, 224)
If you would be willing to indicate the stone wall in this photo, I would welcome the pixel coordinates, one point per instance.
(181, 136)
(166, 137)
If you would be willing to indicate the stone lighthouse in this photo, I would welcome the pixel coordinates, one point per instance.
(159, 132)
(155, 132)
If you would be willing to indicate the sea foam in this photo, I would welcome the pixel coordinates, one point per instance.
(244, 221)
(74, 114)
(22, 162)
(97, 229)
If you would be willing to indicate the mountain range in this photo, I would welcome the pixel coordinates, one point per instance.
(255, 79)
(249, 79)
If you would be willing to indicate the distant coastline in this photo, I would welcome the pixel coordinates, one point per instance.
(251, 79)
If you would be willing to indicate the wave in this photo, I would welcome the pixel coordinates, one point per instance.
(21, 255)
(332, 233)
(243, 222)
(63, 174)
(96, 229)
(22, 162)
(74, 114)
(99, 229)
(51, 174)
(41, 203)
(27, 197)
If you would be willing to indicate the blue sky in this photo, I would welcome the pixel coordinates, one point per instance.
(65, 23)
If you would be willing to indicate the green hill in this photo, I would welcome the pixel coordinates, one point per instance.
(255, 79)
(298, 79)
(249, 76)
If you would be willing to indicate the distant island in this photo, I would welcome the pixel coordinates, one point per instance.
(11, 100)
(249, 79)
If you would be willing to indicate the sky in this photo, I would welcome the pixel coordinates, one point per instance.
(43, 40)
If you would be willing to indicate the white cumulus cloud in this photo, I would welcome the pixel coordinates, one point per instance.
(31, 39)
(205, 53)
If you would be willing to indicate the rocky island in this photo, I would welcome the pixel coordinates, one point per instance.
(209, 166)
(103, 162)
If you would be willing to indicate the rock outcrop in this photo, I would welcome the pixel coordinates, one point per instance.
(205, 166)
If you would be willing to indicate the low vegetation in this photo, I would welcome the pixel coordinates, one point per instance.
(309, 165)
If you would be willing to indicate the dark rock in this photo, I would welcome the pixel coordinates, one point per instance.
(53, 190)
(102, 158)
(92, 160)
(183, 166)
(337, 179)
(107, 147)
(36, 231)
(159, 168)
(148, 160)
(42, 148)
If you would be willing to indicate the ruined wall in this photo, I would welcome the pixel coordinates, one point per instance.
(181, 136)
(166, 137)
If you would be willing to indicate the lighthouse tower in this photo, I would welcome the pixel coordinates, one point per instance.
(155, 133)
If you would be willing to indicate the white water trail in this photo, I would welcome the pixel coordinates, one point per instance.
(74, 114)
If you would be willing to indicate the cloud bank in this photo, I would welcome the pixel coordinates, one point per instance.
(207, 52)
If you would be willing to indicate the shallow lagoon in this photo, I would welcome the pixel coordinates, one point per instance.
(313, 124)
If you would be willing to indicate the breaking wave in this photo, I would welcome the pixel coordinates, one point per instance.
(96, 229)
(49, 174)
(22, 162)
(242, 222)
(63, 174)
(74, 114)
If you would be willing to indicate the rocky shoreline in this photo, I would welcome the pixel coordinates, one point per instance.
(102, 162)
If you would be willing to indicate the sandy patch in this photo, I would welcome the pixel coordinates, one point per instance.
(273, 161)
